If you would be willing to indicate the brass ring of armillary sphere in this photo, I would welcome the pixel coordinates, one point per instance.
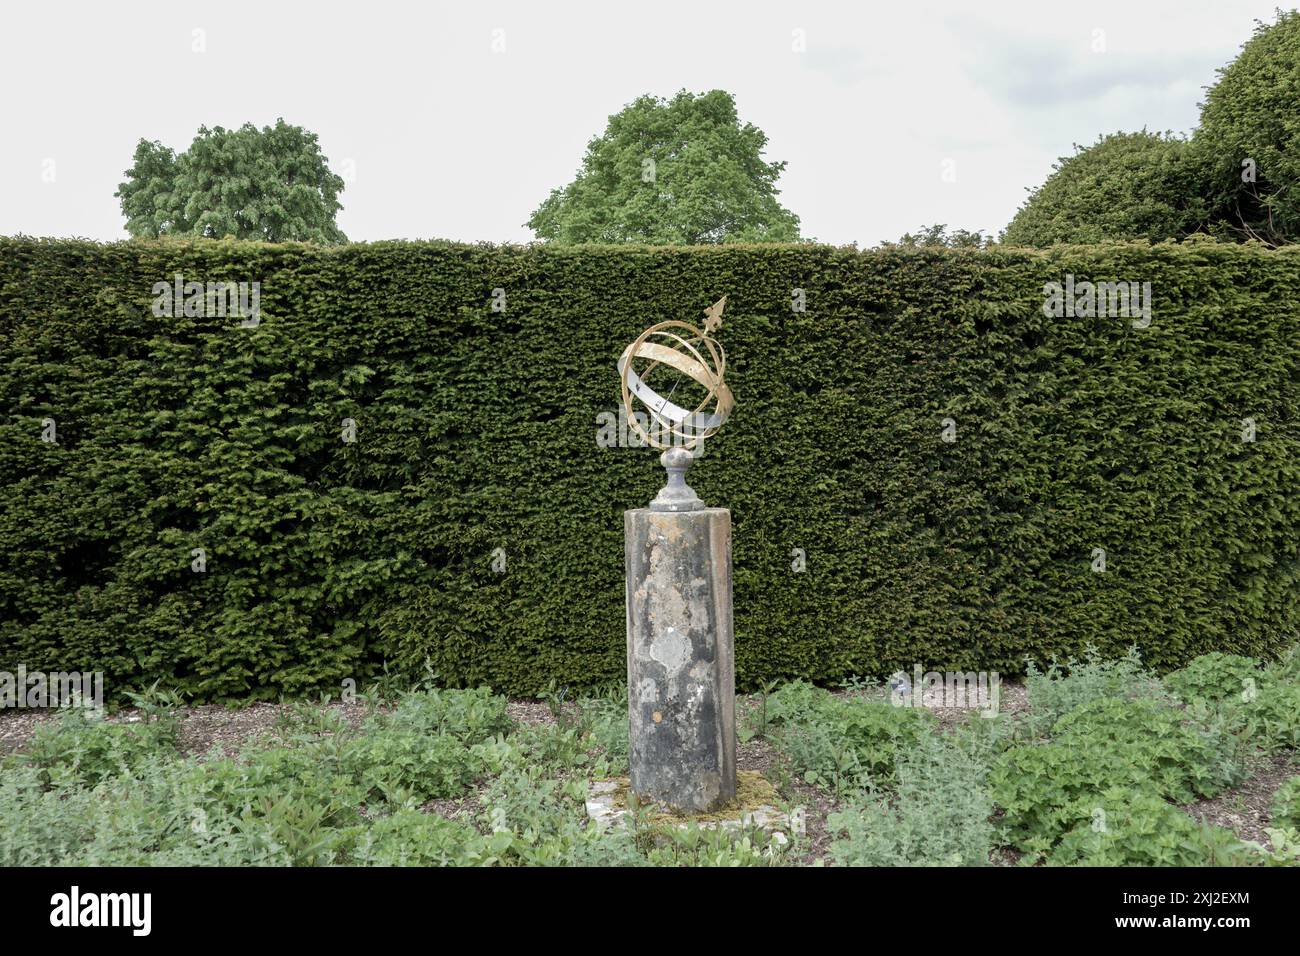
(690, 426)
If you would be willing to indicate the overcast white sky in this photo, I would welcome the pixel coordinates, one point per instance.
(441, 137)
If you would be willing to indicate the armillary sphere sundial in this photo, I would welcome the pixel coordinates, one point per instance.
(681, 687)
(700, 364)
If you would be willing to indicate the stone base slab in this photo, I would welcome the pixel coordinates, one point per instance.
(605, 805)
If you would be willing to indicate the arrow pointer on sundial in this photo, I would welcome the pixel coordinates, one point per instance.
(713, 319)
(714, 316)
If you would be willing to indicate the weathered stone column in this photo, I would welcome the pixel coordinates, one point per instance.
(680, 657)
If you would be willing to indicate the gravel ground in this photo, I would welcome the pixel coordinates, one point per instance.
(1247, 809)
(17, 727)
(1011, 698)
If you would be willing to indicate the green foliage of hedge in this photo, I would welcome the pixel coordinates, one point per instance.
(476, 430)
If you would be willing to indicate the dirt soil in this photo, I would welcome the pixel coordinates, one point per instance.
(1247, 810)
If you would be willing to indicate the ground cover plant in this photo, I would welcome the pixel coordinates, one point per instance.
(1091, 762)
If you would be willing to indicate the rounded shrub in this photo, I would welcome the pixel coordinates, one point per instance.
(1248, 141)
(1124, 186)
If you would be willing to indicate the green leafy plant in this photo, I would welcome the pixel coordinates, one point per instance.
(795, 702)
(414, 765)
(606, 722)
(1215, 676)
(1287, 667)
(845, 743)
(1124, 827)
(938, 816)
(1285, 850)
(714, 847)
(412, 838)
(1182, 756)
(1271, 718)
(1265, 715)
(1141, 745)
(764, 693)
(1286, 804)
(84, 749)
(470, 716)
(1058, 690)
(306, 720)
(555, 698)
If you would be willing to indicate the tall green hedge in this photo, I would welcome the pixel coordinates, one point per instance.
(476, 430)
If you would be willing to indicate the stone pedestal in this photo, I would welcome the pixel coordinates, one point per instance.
(680, 657)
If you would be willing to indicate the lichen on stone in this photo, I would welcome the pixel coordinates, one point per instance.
(753, 792)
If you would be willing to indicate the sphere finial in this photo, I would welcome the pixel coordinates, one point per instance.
(676, 495)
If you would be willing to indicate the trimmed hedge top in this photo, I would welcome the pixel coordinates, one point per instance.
(476, 521)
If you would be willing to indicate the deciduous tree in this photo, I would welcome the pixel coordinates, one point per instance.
(680, 171)
(271, 184)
